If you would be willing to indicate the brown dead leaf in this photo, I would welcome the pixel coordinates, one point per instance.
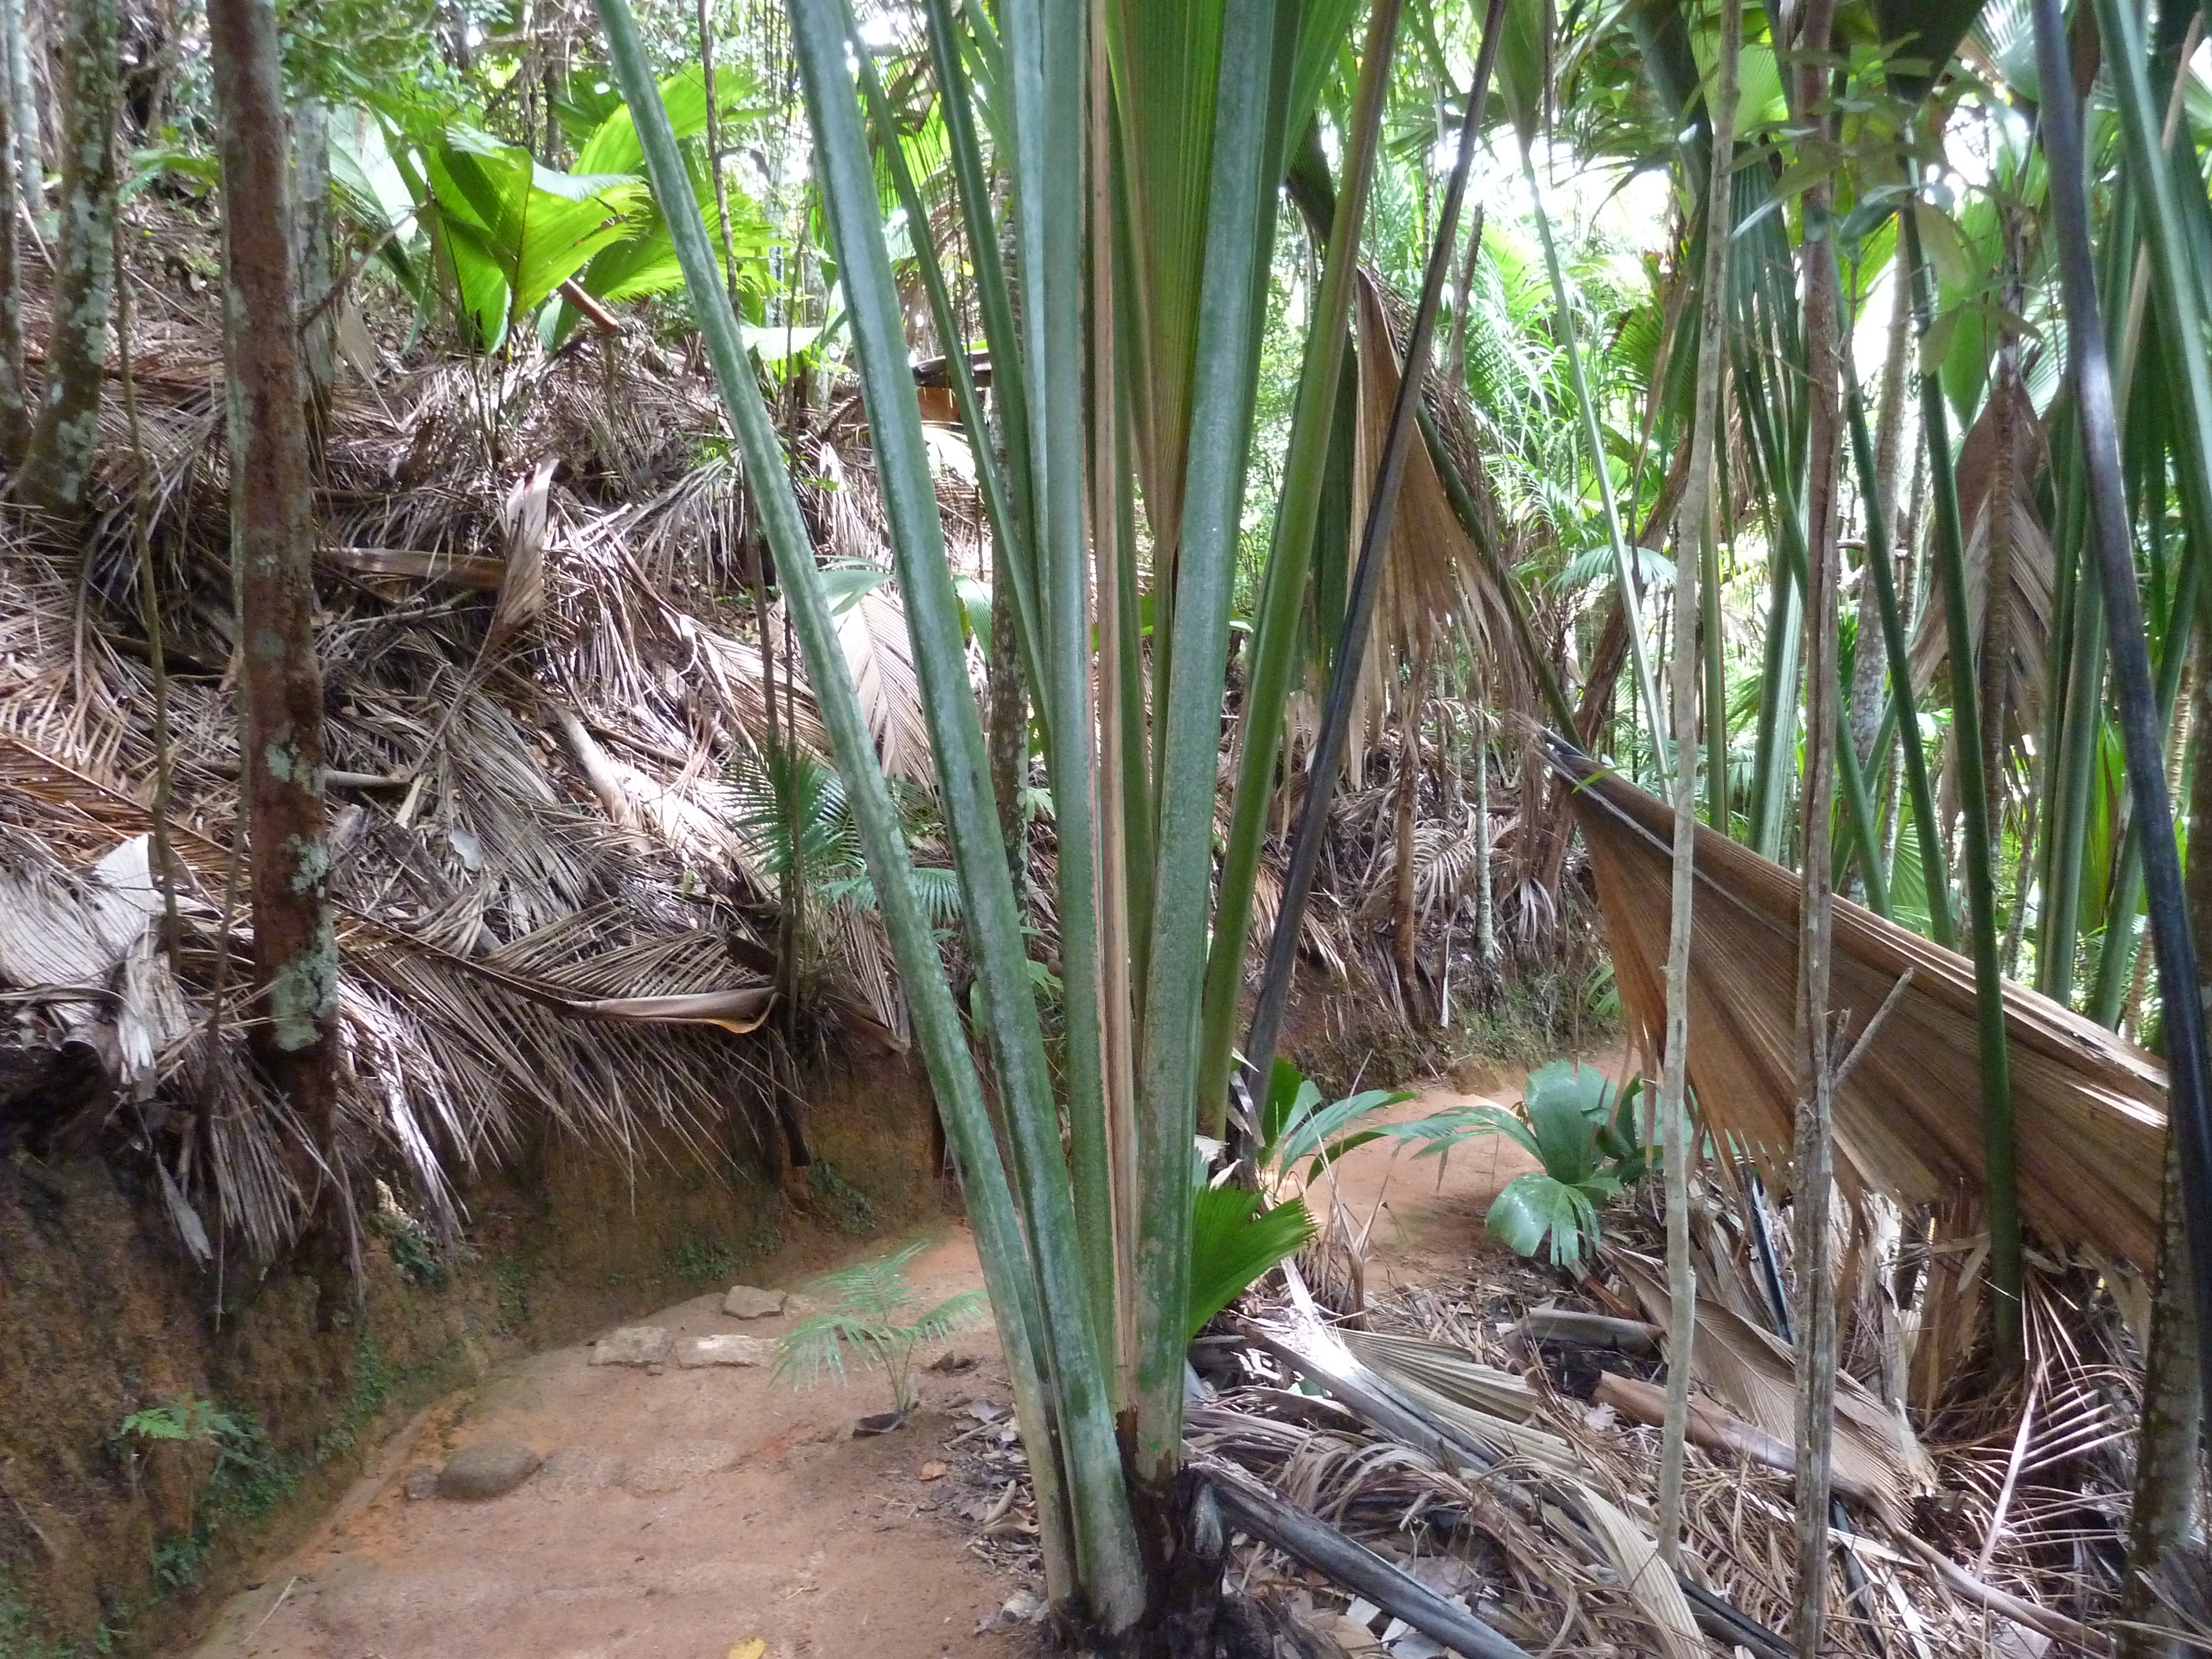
(932, 1470)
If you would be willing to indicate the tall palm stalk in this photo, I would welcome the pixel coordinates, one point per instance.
(1153, 329)
(2190, 1084)
(2001, 1174)
(1698, 527)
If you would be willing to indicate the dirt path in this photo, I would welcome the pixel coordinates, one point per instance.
(1423, 1217)
(686, 1513)
(680, 1516)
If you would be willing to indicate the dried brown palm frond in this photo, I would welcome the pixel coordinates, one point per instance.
(1755, 1372)
(2089, 1106)
(1998, 462)
(1437, 597)
(873, 631)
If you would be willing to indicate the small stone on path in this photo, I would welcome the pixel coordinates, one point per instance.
(678, 1465)
(421, 1482)
(577, 1471)
(491, 1470)
(725, 1350)
(750, 1302)
(633, 1344)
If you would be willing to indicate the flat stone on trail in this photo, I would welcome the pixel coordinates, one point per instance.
(678, 1465)
(725, 1350)
(578, 1471)
(633, 1344)
(750, 1302)
(491, 1470)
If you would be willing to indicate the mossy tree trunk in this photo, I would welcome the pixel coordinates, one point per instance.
(280, 681)
(28, 154)
(311, 146)
(15, 404)
(2167, 1451)
(59, 465)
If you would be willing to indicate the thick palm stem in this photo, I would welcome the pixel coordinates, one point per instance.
(1258, 40)
(2189, 1088)
(1009, 1271)
(1284, 585)
(2000, 1147)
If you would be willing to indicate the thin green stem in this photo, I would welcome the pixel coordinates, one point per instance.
(1631, 608)
(2001, 1154)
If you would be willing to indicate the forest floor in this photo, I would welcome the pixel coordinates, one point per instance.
(694, 1513)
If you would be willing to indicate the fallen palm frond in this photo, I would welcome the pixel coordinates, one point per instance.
(2089, 1106)
(1555, 1551)
(545, 912)
(1875, 1455)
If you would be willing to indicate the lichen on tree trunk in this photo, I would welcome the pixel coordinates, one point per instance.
(15, 404)
(280, 681)
(59, 465)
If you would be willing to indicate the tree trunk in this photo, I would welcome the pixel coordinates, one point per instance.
(1816, 1323)
(295, 955)
(15, 404)
(2166, 1446)
(22, 93)
(1697, 530)
(1485, 911)
(1403, 922)
(1868, 667)
(1009, 734)
(311, 145)
(58, 465)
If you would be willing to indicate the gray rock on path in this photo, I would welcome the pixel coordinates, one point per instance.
(633, 1344)
(750, 1302)
(729, 1349)
(491, 1470)
(578, 1471)
(679, 1464)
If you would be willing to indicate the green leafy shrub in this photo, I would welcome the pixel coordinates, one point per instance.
(1583, 1131)
(868, 1323)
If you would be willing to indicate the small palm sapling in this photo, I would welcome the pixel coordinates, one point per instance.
(867, 1322)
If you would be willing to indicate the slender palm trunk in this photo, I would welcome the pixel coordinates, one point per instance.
(1825, 340)
(279, 682)
(1695, 530)
(58, 465)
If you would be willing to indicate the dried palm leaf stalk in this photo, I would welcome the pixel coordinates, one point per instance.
(2089, 1107)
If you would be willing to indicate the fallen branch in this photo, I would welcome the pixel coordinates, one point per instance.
(1366, 1398)
(1314, 1543)
(2046, 1621)
(1589, 1330)
(1718, 1429)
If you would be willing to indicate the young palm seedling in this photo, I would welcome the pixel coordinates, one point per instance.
(868, 1323)
(1583, 1131)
